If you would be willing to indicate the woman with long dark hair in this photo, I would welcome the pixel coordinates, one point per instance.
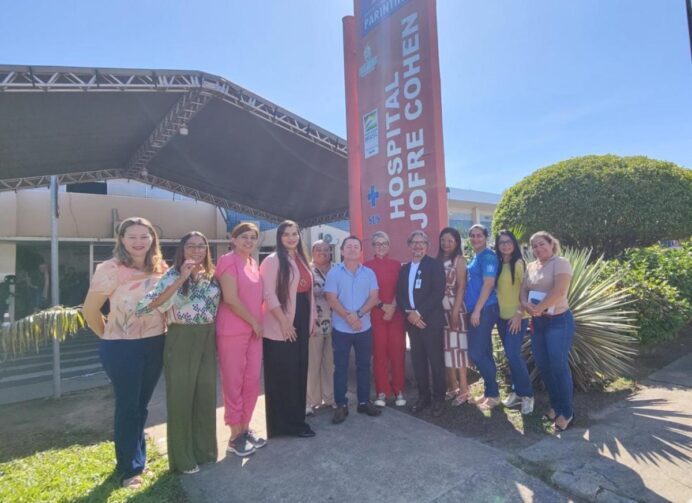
(131, 347)
(513, 321)
(456, 343)
(239, 337)
(289, 320)
(189, 296)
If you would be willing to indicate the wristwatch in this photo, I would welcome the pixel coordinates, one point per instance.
(380, 305)
(359, 314)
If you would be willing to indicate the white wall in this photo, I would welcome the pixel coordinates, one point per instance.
(91, 215)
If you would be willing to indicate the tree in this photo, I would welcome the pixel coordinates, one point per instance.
(606, 202)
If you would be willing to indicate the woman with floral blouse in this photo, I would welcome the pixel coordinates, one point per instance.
(131, 347)
(189, 296)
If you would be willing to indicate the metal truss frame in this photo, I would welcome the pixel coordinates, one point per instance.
(341, 214)
(197, 89)
(205, 197)
(52, 79)
(178, 117)
(44, 181)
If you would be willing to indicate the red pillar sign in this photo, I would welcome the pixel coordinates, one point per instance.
(394, 109)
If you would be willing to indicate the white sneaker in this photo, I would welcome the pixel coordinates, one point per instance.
(512, 400)
(380, 401)
(527, 405)
(400, 400)
(309, 411)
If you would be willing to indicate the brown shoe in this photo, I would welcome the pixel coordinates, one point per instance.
(340, 414)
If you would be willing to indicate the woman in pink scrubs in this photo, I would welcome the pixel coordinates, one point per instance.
(239, 337)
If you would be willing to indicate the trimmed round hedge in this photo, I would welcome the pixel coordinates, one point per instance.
(604, 202)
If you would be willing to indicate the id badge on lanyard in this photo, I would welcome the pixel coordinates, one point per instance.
(418, 282)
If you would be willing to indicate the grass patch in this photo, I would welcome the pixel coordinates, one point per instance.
(83, 473)
(621, 384)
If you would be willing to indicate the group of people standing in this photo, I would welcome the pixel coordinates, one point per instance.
(301, 318)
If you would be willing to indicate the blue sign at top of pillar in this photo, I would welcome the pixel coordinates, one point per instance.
(373, 12)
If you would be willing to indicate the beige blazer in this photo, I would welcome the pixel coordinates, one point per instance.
(269, 271)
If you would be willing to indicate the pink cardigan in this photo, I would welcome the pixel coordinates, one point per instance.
(269, 271)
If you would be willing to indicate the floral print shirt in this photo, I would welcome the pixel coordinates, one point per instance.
(324, 312)
(197, 307)
(125, 287)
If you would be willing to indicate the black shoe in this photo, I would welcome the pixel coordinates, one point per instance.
(306, 432)
(438, 409)
(369, 409)
(340, 414)
(420, 405)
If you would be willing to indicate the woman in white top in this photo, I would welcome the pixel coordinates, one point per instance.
(544, 296)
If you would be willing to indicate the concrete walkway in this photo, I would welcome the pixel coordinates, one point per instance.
(393, 457)
(639, 449)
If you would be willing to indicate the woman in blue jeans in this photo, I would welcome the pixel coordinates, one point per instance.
(480, 300)
(544, 296)
(131, 347)
(513, 320)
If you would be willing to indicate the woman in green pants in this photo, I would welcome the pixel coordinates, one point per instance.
(189, 295)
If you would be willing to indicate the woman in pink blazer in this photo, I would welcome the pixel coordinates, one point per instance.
(289, 316)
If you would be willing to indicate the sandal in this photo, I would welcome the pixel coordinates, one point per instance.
(133, 482)
(460, 399)
(450, 395)
(560, 429)
(489, 403)
(546, 416)
(477, 400)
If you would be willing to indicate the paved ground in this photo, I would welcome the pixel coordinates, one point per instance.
(394, 457)
(640, 449)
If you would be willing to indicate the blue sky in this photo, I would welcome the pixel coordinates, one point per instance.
(525, 83)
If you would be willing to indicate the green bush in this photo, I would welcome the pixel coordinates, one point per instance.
(606, 203)
(660, 282)
(670, 265)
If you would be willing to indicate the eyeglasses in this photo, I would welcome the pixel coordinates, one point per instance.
(195, 247)
(505, 242)
(414, 243)
(380, 245)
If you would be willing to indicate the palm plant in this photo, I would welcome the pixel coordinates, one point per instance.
(604, 344)
(35, 330)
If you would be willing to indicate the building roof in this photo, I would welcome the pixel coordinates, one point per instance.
(186, 131)
(473, 196)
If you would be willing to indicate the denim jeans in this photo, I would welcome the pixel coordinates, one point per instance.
(341, 344)
(521, 383)
(551, 342)
(481, 348)
(133, 367)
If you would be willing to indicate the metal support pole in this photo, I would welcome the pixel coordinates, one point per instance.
(54, 287)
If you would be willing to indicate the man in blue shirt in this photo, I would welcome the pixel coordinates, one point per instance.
(352, 291)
